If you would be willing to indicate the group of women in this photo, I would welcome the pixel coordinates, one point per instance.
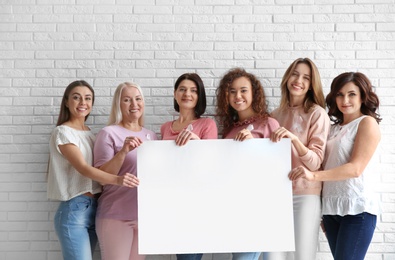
(331, 164)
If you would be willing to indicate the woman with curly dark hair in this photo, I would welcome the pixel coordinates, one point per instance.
(350, 206)
(241, 107)
(242, 111)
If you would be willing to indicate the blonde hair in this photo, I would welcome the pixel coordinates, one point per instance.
(315, 94)
(116, 113)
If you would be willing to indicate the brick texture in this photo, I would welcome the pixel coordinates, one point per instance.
(46, 44)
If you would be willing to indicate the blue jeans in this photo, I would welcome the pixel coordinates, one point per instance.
(349, 236)
(75, 226)
(246, 256)
(189, 256)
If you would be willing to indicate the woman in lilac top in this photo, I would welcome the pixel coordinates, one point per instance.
(115, 152)
(242, 111)
(190, 102)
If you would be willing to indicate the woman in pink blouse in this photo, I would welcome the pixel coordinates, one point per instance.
(190, 102)
(242, 111)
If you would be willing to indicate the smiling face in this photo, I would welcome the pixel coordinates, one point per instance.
(240, 97)
(349, 102)
(79, 102)
(299, 83)
(132, 104)
(186, 95)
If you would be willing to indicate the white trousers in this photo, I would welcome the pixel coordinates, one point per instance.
(307, 219)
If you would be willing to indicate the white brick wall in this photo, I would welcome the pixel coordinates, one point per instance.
(46, 44)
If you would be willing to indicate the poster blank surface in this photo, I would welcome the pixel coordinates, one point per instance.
(213, 196)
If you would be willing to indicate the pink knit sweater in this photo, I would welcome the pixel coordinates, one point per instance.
(312, 129)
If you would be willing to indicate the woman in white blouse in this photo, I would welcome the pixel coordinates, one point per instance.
(71, 177)
(350, 207)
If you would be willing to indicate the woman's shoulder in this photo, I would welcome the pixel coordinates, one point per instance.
(67, 130)
(206, 121)
(367, 121)
(272, 121)
(110, 128)
(62, 128)
(109, 131)
(64, 134)
(146, 130)
(166, 125)
(267, 122)
(317, 109)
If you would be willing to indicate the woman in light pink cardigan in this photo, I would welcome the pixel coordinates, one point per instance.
(303, 119)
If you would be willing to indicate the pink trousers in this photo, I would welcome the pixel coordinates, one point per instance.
(118, 239)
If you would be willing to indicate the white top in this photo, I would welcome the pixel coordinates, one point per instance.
(63, 180)
(351, 196)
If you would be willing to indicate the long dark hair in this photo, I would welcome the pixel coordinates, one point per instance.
(200, 107)
(370, 101)
(64, 114)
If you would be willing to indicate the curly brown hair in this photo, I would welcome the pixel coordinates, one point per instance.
(370, 101)
(226, 115)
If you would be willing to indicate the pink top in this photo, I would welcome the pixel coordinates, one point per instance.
(312, 129)
(205, 128)
(262, 127)
(118, 202)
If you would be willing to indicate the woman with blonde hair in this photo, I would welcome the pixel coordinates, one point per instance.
(115, 152)
(303, 119)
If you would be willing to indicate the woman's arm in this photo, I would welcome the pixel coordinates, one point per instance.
(282, 132)
(312, 154)
(115, 163)
(366, 142)
(73, 154)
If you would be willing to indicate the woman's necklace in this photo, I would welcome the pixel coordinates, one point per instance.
(246, 121)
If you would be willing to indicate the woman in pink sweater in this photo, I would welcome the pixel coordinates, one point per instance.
(242, 111)
(304, 120)
(190, 102)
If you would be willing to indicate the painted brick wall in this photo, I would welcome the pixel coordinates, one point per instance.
(46, 44)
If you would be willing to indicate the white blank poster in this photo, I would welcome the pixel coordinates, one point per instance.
(213, 196)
